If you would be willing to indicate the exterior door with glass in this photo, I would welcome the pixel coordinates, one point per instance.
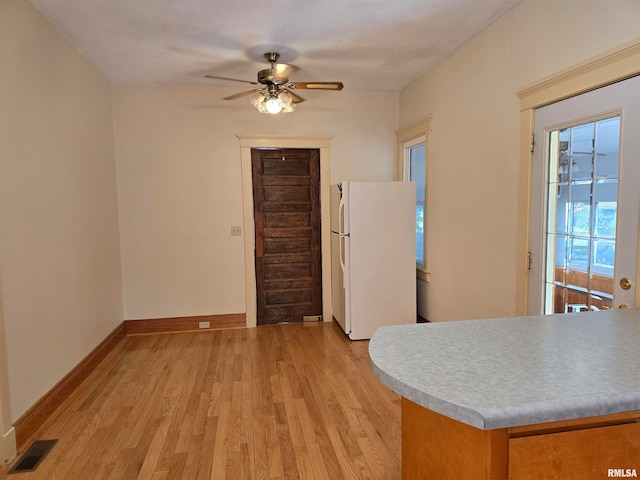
(586, 201)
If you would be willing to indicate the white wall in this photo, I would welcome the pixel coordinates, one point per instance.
(472, 97)
(59, 240)
(179, 184)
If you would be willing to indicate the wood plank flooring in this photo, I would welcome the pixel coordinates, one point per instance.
(293, 401)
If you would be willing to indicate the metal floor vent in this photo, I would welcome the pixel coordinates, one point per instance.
(33, 456)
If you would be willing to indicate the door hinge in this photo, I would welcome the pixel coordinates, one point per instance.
(532, 143)
(528, 260)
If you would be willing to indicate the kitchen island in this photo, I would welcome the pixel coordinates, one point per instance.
(516, 398)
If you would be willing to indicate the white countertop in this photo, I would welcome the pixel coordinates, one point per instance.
(506, 372)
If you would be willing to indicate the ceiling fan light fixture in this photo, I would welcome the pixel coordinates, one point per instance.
(273, 103)
(289, 108)
(275, 95)
(285, 98)
(258, 101)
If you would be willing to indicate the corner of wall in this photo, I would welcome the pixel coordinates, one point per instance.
(8, 447)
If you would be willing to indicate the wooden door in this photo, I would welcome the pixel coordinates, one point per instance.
(286, 197)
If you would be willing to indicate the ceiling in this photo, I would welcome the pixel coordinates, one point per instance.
(367, 44)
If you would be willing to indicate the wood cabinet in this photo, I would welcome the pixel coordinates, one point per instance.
(440, 448)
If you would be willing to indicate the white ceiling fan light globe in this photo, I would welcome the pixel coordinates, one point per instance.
(256, 99)
(289, 108)
(273, 105)
(285, 98)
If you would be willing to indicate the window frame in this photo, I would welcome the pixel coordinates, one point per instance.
(407, 138)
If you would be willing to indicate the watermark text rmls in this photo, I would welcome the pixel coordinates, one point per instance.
(622, 473)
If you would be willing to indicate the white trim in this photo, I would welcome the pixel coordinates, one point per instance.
(8, 447)
(321, 142)
(610, 67)
(412, 131)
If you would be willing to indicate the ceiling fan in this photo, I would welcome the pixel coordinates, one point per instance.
(274, 94)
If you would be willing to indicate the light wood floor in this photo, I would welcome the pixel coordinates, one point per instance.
(274, 402)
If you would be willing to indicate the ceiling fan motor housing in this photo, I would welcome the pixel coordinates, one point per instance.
(270, 75)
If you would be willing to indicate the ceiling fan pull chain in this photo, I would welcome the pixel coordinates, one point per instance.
(282, 137)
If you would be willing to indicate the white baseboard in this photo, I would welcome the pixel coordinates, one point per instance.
(8, 447)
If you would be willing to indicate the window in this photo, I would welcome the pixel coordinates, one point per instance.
(415, 171)
(413, 166)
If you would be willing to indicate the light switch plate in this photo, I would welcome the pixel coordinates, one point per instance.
(236, 230)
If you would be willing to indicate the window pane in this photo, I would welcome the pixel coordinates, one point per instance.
(607, 141)
(563, 156)
(561, 211)
(579, 250)
(417, 166)
(606, 219)
(579, 218)
(420, 234)
(416, 169)
(604, 252)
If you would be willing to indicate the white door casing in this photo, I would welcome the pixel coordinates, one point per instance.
(611, 66)
(321, 142)
(618, 99)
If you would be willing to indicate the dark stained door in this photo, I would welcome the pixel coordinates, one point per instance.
(286, 196)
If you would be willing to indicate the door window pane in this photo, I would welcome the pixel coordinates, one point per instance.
(607, 142)
(606, 219)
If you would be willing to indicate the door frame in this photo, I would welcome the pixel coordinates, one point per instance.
(319, 142)
(613, 66)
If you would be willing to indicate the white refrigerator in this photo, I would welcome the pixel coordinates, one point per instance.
(373, 250)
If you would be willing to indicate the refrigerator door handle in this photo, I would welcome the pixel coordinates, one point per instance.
(341, 234)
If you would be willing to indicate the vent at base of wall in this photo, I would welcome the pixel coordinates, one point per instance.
(34, 455)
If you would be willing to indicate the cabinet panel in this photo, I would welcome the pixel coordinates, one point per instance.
(435, 447)
(577, 454)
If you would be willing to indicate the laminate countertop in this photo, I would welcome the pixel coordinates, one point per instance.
(507, 372)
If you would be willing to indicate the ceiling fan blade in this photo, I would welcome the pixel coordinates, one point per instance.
(317, 85)
(296, 98)
(230, 79)
(241, 94)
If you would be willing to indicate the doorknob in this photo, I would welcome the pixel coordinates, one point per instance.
(625, 283)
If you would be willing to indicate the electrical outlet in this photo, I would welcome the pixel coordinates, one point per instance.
(236, 230)
(203, 325)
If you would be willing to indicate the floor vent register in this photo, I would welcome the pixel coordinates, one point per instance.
(33, 456)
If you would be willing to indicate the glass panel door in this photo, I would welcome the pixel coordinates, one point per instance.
(582, 201)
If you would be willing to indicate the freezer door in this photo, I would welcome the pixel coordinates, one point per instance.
(381, 273)
(335, 204)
